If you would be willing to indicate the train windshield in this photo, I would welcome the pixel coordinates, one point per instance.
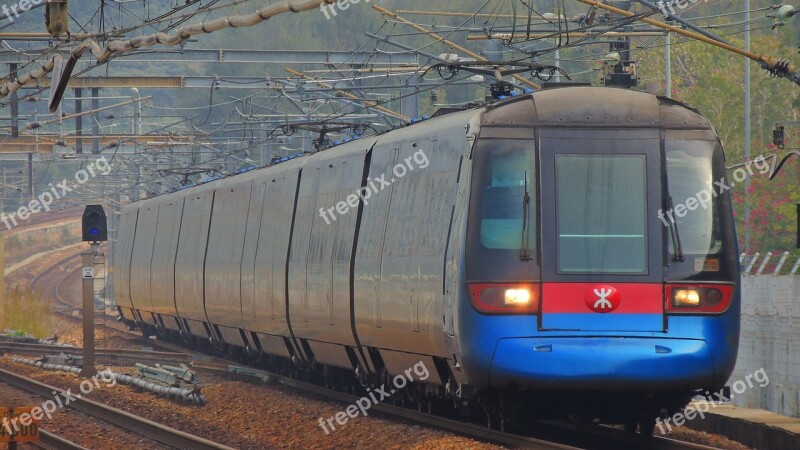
(694, 196)
(502, 217)
(601, 213)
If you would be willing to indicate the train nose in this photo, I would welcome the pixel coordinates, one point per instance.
(604, 363)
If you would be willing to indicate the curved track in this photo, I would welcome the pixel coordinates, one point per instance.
(57, 288)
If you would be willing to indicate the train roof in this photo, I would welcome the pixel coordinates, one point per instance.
(569, 106)
(587, 106)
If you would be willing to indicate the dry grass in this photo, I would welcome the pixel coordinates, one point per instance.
(26, 312)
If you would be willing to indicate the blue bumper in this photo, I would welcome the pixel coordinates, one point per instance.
(604, 363)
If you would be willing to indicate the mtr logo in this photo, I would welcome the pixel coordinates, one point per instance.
(603, 299)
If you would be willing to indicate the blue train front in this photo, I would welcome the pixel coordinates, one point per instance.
(601, 261)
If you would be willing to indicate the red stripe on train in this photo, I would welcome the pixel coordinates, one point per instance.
(602, 298)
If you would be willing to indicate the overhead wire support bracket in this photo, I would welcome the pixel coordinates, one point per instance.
(446, 42)
(684, 22)
(367, 103)
(778, 67)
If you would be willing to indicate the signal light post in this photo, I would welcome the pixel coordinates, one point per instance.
(95, 230)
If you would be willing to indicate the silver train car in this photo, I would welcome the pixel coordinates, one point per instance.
(250, 262)
(366, 259)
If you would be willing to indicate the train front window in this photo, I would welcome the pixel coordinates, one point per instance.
(694, 197)
(602, 214)
(502, 224)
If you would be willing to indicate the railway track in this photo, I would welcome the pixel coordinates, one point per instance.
(115, 357)
(576, 436)
(56, 290)
(152, 430)
(50, 441)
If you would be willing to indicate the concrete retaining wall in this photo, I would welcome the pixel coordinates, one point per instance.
(770, 340)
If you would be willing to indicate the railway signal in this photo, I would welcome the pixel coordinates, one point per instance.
(95, 230)
(95, 224)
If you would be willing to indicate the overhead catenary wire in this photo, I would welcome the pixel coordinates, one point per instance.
(120, 46)
(777, 67)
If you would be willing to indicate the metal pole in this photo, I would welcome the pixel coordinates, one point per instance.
(557, 55)
(3, 280)
(30, 175)
(409, 105)
(78, 120)
(89, 369)
(747, 129)
(668, 58)
(95, 124)
(138, 115)
(14, 104)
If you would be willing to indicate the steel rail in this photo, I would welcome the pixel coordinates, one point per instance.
(152, 430)
(453, 426)
(597, 437)
(38, 277)
(589, 436)
(50, 441)
(113, 355)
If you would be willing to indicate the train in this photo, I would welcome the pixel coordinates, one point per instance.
(557, 253)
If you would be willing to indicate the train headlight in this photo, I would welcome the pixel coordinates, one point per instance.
(505, 299)
(520, 297)
(687, 297)
(708, 299)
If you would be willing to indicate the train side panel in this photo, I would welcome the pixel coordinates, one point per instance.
(222, 273)
(399, 270)
(190, 258)
(264, 308)
(162, 269)
(142, 258)
(122, 262)
(322, 244)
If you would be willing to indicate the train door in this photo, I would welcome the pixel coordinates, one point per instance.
(601, 242)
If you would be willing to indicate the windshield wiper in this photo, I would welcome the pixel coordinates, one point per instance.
(525, 252)
(673, 231)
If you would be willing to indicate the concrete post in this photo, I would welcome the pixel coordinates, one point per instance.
(89, 369)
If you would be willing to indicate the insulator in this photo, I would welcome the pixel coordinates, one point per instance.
(782, 68)
(786, 12)
(56, 17)
(613, 58)
(779, 136)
